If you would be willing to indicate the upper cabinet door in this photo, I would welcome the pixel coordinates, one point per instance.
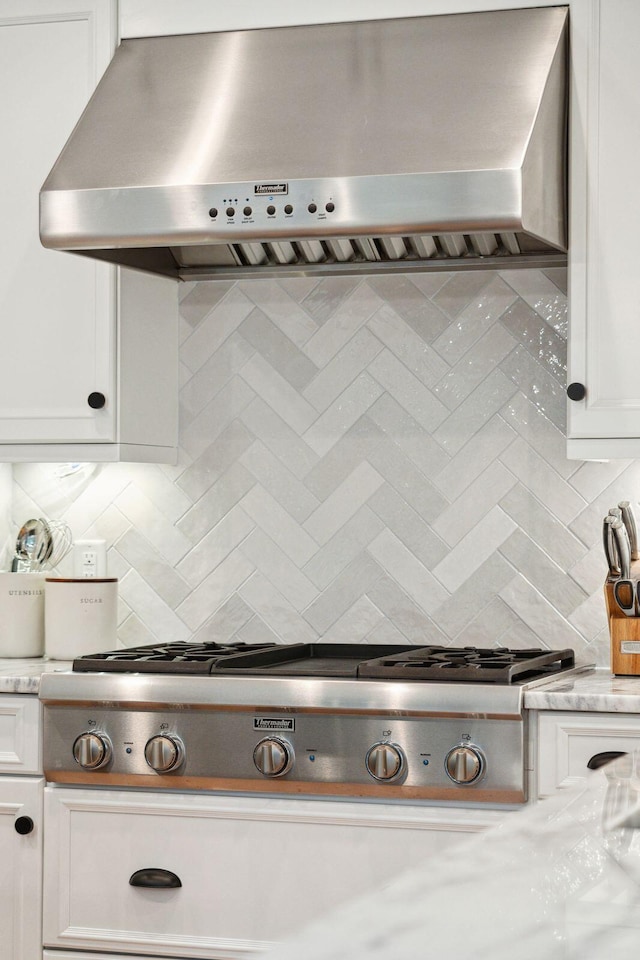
(57, 311)
(604, 289)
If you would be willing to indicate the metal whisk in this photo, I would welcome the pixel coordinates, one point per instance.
(61, 543)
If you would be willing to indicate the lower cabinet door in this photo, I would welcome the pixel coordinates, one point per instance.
(202, 875)
(20, 867)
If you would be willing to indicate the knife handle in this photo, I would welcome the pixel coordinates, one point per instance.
(629, 520)
(610, 548)
(624, 548)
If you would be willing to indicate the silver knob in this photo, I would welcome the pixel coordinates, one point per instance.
(385, 761)
(273, 757)
(164, 753)
(92, 750)
(464, 763)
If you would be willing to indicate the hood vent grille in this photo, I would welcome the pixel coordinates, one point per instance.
(447, 251)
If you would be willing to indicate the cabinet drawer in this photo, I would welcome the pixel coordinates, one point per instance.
(567, 741)
(252, 870)
(20, 750)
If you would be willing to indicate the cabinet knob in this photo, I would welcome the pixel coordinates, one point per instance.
(96, 400)
(24, 825)
(576, 391)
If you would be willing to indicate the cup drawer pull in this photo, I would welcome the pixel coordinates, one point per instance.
(600, 759)
(155, 877)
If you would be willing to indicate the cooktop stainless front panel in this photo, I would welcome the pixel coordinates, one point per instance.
(321, 752)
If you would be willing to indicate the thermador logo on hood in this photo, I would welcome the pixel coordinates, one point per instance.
(271, 188)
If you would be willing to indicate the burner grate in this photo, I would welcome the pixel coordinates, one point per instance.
(177, 657)
(475, 664)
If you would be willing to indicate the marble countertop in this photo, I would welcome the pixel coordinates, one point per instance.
(597, 691)
(553, 881)
(23, 676)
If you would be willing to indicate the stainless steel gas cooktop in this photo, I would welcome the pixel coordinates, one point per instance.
(358, 720)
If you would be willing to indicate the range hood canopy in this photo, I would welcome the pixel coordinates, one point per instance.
(329, 147)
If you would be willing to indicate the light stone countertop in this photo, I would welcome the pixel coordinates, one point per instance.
(23, 676)
(598, 691)
(549, 883)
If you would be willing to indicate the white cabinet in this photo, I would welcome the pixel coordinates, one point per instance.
(20, 738)
(568, 741)
(21, 829)
(604, 290)
(21, 873)
(251, 869)
(68, 321)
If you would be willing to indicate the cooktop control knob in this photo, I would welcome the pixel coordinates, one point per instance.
(164, 753)
(464, 763)
(273, 757)
(92, 750)
(385, 761)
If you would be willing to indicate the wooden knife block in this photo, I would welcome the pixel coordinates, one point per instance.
(623, 630)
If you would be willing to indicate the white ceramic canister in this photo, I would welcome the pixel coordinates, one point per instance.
(21, 614)
(80, 617)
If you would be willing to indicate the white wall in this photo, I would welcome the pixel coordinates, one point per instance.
(139, 18)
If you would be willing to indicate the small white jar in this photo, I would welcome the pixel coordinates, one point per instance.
(80, 617)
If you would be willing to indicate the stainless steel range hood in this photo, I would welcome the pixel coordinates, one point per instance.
(411, 143)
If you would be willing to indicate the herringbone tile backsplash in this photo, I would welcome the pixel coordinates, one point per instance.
(361, 460)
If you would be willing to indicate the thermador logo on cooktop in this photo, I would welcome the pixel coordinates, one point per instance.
(273, 723)
(271, 188)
